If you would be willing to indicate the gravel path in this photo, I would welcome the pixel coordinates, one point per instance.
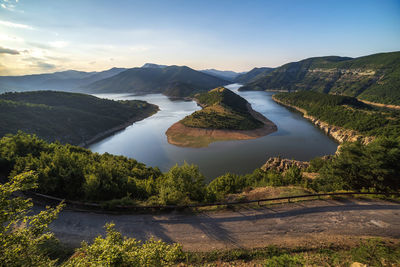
(295, 224)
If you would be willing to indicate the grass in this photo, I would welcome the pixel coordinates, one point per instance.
(374, 252)
(222, 109)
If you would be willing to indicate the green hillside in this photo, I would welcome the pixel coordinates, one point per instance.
(67, 117)
(222, 109)
(374, 78)
(249, 76)
(172, 81)
(347, 112)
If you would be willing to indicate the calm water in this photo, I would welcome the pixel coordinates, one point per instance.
(146, 141)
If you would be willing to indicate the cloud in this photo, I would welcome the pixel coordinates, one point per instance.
(9, 5)
(4, 50)
(45, 65)
(38, 63)
(6, 37)
(39, 45)
(15, 25)
(58, 44)
(139, 48)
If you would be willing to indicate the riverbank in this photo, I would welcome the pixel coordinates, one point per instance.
(340, 134)
(184, 136)
(151, 109)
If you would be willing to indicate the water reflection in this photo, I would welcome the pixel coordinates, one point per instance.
(146, 140)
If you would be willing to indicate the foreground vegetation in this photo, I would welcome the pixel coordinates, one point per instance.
(67, 117)
(374, 77)
(25, 240)
(222, 109)
(346, 112)
(76, 173)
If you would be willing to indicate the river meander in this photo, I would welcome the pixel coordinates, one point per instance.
(146, 141)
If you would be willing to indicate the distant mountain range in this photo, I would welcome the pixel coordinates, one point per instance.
(223, 74)
(174, 81)
(152, 65)
(374, 78)
(68, 80)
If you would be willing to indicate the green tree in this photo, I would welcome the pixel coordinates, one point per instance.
(182, 184)
(226, 184)
(357, 167)
(22, 235)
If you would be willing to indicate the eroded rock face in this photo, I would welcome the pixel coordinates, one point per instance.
(340, 134)
(282, 165)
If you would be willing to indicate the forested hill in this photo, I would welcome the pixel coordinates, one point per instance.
(346, 112)
(176, 81)
(374, 78)
(68, 117)
(222, 109)
(253, 74)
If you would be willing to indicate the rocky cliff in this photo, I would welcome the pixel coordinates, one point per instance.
(281, 165)
(340, 134)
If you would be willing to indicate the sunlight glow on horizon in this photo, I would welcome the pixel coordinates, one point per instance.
(47, 36)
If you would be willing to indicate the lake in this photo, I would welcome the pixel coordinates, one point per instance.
(146, 141)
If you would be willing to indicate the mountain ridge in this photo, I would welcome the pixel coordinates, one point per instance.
(69, 80)
(173, 81)
(374, 78)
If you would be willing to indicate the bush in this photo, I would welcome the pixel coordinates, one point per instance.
(358, 167)
(182, 184)
(226, 184)
(22, 236)
(284, 260)
(115, 250)
(293, 176)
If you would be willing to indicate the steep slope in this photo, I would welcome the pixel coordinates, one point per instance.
(375, 77)
(222, 109)
(249, 76)
(171, 80)
(67, 117)
(65, 80)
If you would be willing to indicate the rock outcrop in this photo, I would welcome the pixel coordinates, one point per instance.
(340, 134)
(281, 165)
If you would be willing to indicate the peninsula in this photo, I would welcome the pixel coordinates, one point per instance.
(72, 118)
(225, 116)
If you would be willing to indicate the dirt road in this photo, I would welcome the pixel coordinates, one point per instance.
(296, 224)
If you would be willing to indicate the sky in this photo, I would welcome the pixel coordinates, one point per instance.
(40, 36)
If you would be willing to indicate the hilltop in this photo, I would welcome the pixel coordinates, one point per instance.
(222, 109)
(224, 116)
(68, 117)
(174, 81)
(69, 80)
(374, 78)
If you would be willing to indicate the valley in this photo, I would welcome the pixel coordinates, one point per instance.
(199, 133)
(146, 140)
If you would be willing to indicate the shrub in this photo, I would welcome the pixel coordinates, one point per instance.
(115, 250)
(182, 184)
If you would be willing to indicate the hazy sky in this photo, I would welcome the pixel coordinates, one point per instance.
(50, 35)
